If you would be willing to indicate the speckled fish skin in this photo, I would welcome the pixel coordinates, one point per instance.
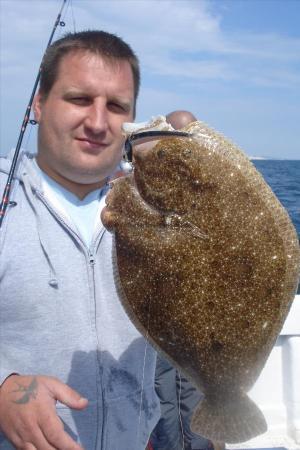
(208, 263)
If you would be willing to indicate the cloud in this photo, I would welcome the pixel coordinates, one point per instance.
(190, 58)
(172, 38)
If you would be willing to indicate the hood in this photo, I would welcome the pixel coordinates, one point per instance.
(28, 179)
(23, 166)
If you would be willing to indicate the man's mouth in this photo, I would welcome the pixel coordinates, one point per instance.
(91, 143)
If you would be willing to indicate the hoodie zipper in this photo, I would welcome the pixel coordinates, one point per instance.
(90, 254)
(99, 385)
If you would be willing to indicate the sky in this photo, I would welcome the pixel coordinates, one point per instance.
(234, 63)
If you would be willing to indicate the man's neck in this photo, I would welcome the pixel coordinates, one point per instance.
(78, 189)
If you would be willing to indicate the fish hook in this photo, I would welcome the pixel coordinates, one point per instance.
(145, 135)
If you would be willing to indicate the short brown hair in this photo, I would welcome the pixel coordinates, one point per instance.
(101, 43)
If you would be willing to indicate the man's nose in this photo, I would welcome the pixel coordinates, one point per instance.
(97, 118)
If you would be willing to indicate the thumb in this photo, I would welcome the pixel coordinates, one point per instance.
(68, 396)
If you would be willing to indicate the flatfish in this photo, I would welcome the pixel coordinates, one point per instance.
(207, 263)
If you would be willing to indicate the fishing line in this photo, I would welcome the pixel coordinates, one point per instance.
(73, 17)
(59, 34)
(143, 376)
(64, 16)
(179, 409)
(142, 391)
(128, 158)
(28, 137)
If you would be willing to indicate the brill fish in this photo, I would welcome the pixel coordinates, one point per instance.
(207, 264)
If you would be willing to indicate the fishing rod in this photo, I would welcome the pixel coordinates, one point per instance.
(7, 190)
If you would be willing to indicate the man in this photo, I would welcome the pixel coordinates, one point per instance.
(74, 371)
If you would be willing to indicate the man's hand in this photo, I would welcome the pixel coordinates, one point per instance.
(28, 416)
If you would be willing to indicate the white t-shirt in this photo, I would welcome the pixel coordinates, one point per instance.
(83, 213)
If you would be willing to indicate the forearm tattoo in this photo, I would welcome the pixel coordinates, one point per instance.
(28, 392)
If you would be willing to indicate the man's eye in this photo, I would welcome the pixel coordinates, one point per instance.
(80, 100)
(117, 107)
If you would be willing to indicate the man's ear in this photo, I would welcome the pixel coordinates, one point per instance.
(37, 107)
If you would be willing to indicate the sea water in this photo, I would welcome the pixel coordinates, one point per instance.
(284, 179)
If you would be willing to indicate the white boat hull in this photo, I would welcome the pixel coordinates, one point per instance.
(277, 390)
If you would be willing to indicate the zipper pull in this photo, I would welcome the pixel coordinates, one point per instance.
(91, 259)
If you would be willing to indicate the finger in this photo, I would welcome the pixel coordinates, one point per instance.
(28, 446)
(36, 442)
(40, 443)
(30, 437)
(67, 395)
(54, 433)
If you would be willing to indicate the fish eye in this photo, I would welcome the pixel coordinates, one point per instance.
(161, 153)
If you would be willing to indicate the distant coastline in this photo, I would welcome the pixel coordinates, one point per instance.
(257, 157)
(270, 158)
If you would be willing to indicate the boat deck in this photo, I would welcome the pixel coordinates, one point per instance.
(277, 390)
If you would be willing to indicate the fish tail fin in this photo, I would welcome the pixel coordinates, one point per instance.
(232, 421)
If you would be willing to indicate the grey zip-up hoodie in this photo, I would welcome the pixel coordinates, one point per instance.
(60, 316)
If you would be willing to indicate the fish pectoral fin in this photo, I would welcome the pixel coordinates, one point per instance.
(178, 221)
(195, 231)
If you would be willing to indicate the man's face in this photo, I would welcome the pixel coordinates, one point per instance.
(80, 140)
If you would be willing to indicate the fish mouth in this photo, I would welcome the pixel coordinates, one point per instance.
(108, 212)
(107, 218)
(113, 209)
